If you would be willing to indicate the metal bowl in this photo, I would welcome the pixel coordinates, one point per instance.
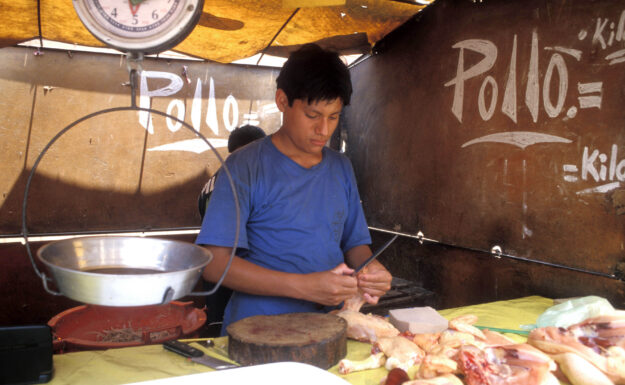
(124, 271)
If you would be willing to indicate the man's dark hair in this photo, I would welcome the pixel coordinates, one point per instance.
(243, 135)
(312, 74)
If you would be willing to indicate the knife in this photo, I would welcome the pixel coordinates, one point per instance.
(374, 255)
(196, 355)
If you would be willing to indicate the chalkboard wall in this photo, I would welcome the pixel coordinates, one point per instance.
(499, 125)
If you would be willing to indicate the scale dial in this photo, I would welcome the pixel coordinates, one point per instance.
(146, 26)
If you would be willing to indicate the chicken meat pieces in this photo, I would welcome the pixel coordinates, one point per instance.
(598, 340)
(579, 371)
(374, 361)
(392, 352)
(400, 352)
(519, 364)
(464, 324)
(426, 341)
(364, 327)
(367, 327)
(434, 366)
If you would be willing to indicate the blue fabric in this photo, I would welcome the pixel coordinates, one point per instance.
(292, 219)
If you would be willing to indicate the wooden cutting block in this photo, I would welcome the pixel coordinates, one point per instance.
(317, 339)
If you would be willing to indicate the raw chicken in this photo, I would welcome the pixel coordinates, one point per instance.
(364, 327)
(374, 361)
(519, 364)
(484, 357)
(393, 352)
(367, 327)
(599, 340)
(579, 371)
(435, 365)
(400, 352)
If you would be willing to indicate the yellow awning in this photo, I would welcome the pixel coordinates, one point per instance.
(231, 29)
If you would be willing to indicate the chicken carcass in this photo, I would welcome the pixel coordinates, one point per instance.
(400, 352)
(392, 352)
(579, 371)
(442, 349)
(599, 340)
(518, 364)
(367, 327)
(364, 327)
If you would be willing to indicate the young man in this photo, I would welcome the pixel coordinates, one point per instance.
(302, 226)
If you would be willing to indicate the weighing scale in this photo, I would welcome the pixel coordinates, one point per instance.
(136, 28)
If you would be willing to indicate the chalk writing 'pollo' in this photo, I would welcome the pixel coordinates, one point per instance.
(230, 112)
(552, 104)
(230, 109)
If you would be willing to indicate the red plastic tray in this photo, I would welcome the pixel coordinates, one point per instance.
(90, 327)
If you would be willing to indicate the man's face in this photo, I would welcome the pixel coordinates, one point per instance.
(308, 126)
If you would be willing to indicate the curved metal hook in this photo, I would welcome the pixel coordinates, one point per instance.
(45, 285)
(107, 111)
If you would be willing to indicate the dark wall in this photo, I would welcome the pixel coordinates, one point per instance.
(498, 123)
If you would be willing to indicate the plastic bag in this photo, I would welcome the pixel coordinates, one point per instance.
(574, 311)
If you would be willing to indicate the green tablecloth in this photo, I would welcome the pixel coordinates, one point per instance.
(125, 365)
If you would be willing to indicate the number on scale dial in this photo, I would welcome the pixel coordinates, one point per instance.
(147, 26)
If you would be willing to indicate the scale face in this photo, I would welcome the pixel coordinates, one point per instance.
(143, 26)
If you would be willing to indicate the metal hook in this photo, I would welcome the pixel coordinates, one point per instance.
(133, 87)
(133, 64)
(496, 251)
(134, 61)
(45, 280)
(420, 237)
(168, 296)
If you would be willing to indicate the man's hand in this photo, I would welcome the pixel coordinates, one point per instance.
(330, 287)
(374, 281)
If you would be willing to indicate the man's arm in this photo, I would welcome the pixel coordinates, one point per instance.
(374, 280)
(327, 287)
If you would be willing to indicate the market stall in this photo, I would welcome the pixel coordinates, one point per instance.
(486, 137)
(127, 365)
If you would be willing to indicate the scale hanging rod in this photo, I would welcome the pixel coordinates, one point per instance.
(133, 64)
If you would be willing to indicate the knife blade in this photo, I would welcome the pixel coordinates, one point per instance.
(374, 255)
(196, 355)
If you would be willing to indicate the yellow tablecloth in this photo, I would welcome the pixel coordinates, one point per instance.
(121, 366)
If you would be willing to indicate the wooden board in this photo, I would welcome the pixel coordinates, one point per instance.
(314, 338)
(502, 128)
(110, 172)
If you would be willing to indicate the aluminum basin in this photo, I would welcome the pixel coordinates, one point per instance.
(124, 271)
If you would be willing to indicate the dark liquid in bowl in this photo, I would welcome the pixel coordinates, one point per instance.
(121, 270)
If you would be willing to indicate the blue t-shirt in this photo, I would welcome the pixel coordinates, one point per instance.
(292, 219)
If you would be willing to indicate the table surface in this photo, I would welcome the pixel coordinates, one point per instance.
(150, 362)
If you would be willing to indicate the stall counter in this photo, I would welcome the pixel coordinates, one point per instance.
(151, 362)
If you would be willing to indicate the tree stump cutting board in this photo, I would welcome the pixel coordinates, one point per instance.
(317, 339)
